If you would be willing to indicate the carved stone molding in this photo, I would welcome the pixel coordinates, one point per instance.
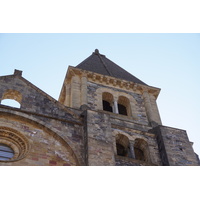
(15, 140)
(112, 81)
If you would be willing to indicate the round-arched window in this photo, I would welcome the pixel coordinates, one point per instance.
(13, 145)
(124, 106)
(107, 101)
(122, 145)
(6, 152)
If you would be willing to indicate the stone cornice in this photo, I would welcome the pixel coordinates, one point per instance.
(112, 81)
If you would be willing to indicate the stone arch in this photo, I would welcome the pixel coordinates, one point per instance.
(100, 92)
(122, 145)
(141, 150)
(124, 106)
(16, 141)
(130, 102)
(47, 129)
(107, 101)
(14, 95)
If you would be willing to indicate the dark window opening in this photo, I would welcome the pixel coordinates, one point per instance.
(139, 154)
(106, 106)
(122, 109)
(121, 150)
(129, 152)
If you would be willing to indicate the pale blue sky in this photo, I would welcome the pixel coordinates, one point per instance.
(167, 61)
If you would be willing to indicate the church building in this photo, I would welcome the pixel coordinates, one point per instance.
(104, 116)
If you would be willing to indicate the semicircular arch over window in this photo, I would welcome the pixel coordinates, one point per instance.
(13, 145)
(107, 101)
(122, 145)
(11, 98)
(124, 106)
(141, 150)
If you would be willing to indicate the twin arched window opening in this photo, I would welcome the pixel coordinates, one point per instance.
(122, 106)
(137, 149)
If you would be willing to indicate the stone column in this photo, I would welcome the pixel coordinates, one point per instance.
(131, 144)
(116, 110)
(84, 90)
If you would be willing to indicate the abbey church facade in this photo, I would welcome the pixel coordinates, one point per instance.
(104, 117)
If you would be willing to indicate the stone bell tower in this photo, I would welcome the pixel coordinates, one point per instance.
(122, 124)
(98, 69)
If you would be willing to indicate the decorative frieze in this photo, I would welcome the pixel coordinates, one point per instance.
(112, 81)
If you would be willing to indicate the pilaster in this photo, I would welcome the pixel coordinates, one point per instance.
(75, 92)
(67, 94)
(151, 108)
(84, 90)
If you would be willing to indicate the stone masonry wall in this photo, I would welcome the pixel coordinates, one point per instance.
(99, 145)
(124, 161)
(70, 134)
(139, 106)
(174, 146)
(44, 149)
(47, 115)
(33, 99)
(125, 124)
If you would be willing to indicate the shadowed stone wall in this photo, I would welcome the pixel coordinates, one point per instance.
(174, 146)
(99, 145)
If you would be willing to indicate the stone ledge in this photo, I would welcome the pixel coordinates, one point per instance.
(125, 161)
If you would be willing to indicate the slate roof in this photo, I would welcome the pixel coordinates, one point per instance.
(98, 63)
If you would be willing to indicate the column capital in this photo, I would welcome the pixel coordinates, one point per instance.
(132, 142)
(115, 98)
